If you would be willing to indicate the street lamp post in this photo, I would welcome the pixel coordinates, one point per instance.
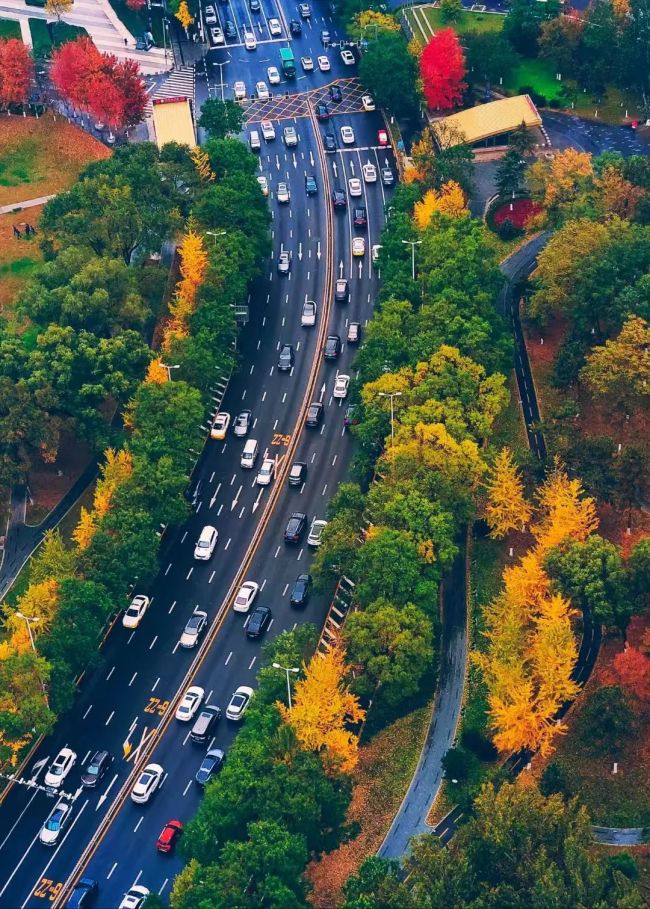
(391, 395)
(216, 233)
(221, 65)
(412, 244)
(287, 671)
(29, 620)
(169, 369)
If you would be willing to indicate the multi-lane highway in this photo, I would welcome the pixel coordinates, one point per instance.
(131, 698)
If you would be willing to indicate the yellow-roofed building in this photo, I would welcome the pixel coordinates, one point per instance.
(173, 121)
(479, 126)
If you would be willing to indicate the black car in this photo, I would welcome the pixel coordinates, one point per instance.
(335, 94)
(311, 186)
(339, 200)
(387, 176)
(332, 347)
(295, 27)
(96, 770)
(84, 894)
(204, 724)
(329, 142)
(322, 111)
(342, 290)
(258, 622)
(350, 417)
(314, 415)
(286, 358)
(301, 591)
(229, 29)
(360, 216)
(211, 764)
(296, 526)
(298, 473)
(144, 42)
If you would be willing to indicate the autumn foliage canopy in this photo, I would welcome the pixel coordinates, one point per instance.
(16, 72)
(442, 67)
(108, 89)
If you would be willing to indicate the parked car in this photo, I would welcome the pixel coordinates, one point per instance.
(210, 765)
(296, 526)
(315, 413)
(332, 347)
(301, 591)
(239, 703)
(97, 768)
(316, 532)
(136, 611)
(169, 836)
(297, 473)
(258, 622)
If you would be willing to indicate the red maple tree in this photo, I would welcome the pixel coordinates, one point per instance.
(111, 91)
(633, 670)
(16, 72)
(442, 67)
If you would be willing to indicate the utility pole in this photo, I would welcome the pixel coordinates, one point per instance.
(391, 395)
(412, 244)
(287, 671)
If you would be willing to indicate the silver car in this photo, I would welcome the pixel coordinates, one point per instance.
(193, 629)
(308, 315)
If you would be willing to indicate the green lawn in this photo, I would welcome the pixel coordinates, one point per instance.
(9, 28)
(535, 74)
(19, 165)
(137, 21)
(61, 32)
(467, 22)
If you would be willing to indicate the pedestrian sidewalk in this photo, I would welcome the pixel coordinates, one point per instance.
(108, 33)
(30, 203)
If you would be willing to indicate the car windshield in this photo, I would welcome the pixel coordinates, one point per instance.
(238, 702)
(145, 779)
(56, 769)
(193, 623)
(54, 822)
(132, 610)
(203, 544)
(92, 770)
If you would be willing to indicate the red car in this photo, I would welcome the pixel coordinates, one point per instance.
(382, 138)
(171, 832)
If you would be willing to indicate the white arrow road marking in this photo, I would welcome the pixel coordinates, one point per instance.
(341, 268)
(257, 500)
(102, 798)
(235, 501)
(322, 391)
(318, 252)
(300, 251)
(334, 168)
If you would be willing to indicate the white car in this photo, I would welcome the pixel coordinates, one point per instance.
(341, 384)
(264, 185)
(307, 64)
(324, 64)
(315, 532)
(266, 472)
(147, 783)
(309, 313)
(217, 36)
(194, 627)
(262, 91)
(57, 819)
(134, 897)
(369, 172)
(290, 137)
(238, 703)
(273, 75)
(348, 57)
(347, 135)
(239, 88)
(358, 246)
(367, 102)
(206, 543)
(250, 41)
(274, 27)
(135, 613)
(283, 195)
(268, 130)
(376, 249)
(210, 15)
(246, 596)
(60, 768)
(354, 185)
(220, 425)
(192, 700)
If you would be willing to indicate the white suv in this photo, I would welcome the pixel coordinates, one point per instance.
(206, 543)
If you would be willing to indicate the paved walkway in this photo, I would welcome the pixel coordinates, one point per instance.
(411, 819)
(30, 203)
(101, 22)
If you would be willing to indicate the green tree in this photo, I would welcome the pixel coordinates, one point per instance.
(221, 118)
(554, 780)
(28, 429)
(600, 47)
(593, 577)
(632, 472)
(156, 487)
(53, 559)
(450, 10)
(378, 884)
(516, 843)
(393, 647)
(489, 57)
(23, 709)
(290, 648)
(638, 566)
(524, 21)
(165, 420)
(124, 547)
(389, 71)
(560, 44)
(607, 720)
(510, 172)
(387, 565)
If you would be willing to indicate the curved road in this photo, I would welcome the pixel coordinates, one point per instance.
(131, 695)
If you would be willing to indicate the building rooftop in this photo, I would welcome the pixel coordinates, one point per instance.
(492, 119)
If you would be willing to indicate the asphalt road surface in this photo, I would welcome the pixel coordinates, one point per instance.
(131, 696)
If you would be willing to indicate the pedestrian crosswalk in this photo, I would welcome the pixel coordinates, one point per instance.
(180, 82)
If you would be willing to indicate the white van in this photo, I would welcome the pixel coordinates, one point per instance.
(240, 91)
(249, 454)
(254, 140)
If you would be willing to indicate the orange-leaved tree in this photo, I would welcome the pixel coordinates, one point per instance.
(117, 468)
(506, 508)
(633, 670)
(201, 161)
(194, 263)
(566, 513)
(449, 201)
(322, 708)
(157, 373)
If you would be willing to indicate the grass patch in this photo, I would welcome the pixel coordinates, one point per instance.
(466, 22)
(41, 157)
(537, 75)
(18, 259)
(9, 28)
(47, 36)
(386, 765)
(137, 21)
